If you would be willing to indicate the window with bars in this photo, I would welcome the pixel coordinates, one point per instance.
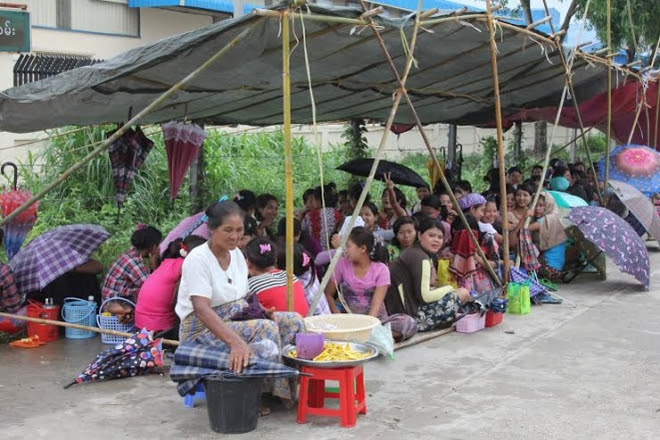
(33, 67)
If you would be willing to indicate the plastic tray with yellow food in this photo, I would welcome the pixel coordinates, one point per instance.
(336, 354)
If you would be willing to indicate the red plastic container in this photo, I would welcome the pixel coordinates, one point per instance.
(46, 332)
(493, 319)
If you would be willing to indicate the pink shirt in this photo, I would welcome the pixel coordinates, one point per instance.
(155, 303)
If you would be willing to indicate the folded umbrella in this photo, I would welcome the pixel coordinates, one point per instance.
(136, 356)
(616, 238)
(639, 205)
(193, 362)
(400, 174)
(55, 253)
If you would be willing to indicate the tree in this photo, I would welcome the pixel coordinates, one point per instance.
(527, 10)
(641, 36)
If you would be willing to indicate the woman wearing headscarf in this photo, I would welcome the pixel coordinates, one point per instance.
(551, 239)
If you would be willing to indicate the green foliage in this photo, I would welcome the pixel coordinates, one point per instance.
(233, 162)
(646, 25)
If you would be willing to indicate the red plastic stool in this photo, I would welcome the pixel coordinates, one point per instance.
(351, 394)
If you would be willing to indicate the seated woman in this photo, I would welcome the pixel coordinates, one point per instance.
(155, 304)
(268, 282)
(552, 240)
(81, 282)
(393, 203)
(467, 265)
(363, 280)
(266, 213)
(305, 269)
(299, 236)
(405, 234)
(522, 200)
(414, 290)
(214, 287)
(319, 223)
(127, 274)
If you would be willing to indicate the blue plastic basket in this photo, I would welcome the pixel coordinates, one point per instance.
(112, 323)
(79, 311)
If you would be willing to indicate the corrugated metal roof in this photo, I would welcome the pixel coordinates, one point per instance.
(211, 5)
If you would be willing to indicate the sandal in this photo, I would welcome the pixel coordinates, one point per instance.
(264, 411)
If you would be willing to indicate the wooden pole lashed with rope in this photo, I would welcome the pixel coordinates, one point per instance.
(609, 105)
(500, 140)
(288, 165)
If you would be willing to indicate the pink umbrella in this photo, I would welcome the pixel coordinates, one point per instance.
(182, 144)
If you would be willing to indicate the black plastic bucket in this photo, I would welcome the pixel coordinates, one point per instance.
(233, 404)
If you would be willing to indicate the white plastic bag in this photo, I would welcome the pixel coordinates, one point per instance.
(381, 338)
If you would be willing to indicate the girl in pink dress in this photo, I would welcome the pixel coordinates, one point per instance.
(155, 305)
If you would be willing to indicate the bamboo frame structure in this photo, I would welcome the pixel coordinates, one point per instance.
(569, 83)
(608, 136)
(78, 327)
(374, 167)
(500, 140)
(117, 134)
(427, 143)
(288, 164)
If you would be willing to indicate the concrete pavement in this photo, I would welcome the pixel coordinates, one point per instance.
(588, 370)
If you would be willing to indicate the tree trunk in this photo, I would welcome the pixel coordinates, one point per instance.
(572, 9)
(540, 138)
(527, 10)
(517, 142)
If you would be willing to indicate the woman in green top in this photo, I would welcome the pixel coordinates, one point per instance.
(414, 289)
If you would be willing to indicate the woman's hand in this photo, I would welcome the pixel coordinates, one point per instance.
(270, 313)
(335, 241)
(388, 181)
(239, 357)
(463, 295)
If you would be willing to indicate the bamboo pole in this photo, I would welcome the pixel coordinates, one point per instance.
(427, 143)
(381, 147)
(423, 337)
(500, 140)
(78, 327)
(608, 135)
(288, 166)
(117, 134)
(568, 67)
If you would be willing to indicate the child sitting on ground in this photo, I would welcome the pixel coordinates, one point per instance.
(268, 282)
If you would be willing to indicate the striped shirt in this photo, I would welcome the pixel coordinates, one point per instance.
(270, 288)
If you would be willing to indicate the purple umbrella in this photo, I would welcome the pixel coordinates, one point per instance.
(616, 238)
(195, 224)
(54, 253)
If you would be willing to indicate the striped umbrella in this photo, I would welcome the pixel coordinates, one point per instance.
(639, 205)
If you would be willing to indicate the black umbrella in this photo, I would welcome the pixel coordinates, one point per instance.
(400, 174)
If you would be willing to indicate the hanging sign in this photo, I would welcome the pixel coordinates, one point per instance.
(14, 31)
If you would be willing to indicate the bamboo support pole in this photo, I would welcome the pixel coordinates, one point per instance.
(568, 66)
(536, 23)
(117, 134)
(608, 134)
(500, 140)
(423, 337)
(78, 327)
(381, 147)
(288, 164)
(427, 143)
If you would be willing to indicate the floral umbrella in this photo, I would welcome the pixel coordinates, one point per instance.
(614, 237)
(637, 165)
(17, 229)
(136, 356)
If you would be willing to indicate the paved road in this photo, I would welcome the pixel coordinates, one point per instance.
(590, 370)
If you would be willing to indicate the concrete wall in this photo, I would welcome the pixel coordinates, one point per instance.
(155, 24)
(411, 141)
